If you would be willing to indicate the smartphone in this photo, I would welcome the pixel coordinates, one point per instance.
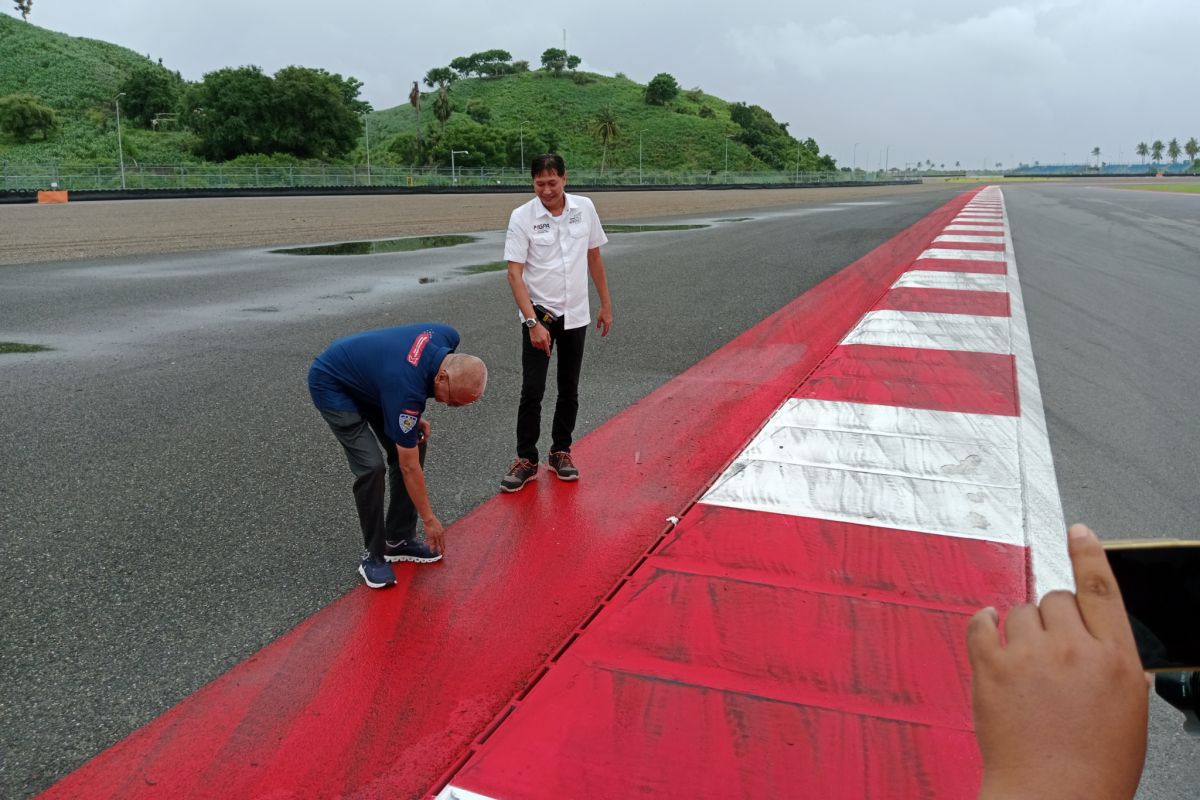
(1160, 583)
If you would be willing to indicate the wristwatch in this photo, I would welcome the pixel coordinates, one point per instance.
(529, 323)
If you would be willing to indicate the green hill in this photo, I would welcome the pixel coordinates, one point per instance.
(694, 132)
(78, 78)
(688, 133)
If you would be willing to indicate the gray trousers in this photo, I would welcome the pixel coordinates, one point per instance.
(375, 473)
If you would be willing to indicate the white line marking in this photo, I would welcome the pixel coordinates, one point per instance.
(1044, 528)
(967, 281)
(923, 330)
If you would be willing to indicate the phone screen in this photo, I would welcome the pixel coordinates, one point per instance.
(1160, 583)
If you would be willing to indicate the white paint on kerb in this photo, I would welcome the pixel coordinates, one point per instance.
(962, 255)
(965, 281)
(932, 331)
(979, 238)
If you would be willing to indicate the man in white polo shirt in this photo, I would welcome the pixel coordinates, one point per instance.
(553, 244)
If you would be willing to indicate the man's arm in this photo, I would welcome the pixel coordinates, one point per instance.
(538, 335)
(414, 483)
(596, 270)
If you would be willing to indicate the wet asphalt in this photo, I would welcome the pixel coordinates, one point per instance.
(171, 502)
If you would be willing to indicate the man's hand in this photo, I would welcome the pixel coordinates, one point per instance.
(1060, 705)
(604, 320)
(423, 431)
(435, 534)
(539, 337)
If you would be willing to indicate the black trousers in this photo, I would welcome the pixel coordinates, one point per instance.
(361, 436)
(534, 366)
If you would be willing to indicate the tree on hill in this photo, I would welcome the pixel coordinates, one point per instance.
(1156, 151)
(608, 129)
(24, 6)
(1173, 150)
(23, 115)
(150, 91)
(305, 112)
(1143, 150)
(316, 113)
(661, 90)
(440, 77)
(442, 107)
(556, 60)
(487, 64)
(414, 100)
(1192, 148)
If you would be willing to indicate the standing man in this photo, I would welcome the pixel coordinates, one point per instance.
(371, 388)
(553, 244)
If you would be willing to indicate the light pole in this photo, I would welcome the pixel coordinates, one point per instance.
(797, 178)
(453, 174)
(640, 156)
(727, 156)
(521, 133)
(120, 150)
(854, 160)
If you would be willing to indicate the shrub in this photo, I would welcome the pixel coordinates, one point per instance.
(23, 115)
(661, 90)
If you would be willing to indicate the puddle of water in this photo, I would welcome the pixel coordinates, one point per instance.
(21, 347)
(380, 246)
(264, 309)
(476, 269)
(735, 219)
(649, 228)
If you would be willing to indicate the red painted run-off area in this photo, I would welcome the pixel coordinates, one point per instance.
(381, 693)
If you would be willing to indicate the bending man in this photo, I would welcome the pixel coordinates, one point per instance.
(371, 388)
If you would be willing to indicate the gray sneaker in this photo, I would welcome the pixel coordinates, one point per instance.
(520, 473)
(563, 466)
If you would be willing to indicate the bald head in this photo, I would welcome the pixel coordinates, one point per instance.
(460, 380)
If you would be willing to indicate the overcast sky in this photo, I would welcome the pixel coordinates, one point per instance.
(907, 80)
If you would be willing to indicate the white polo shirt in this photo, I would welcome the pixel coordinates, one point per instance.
(554, 252)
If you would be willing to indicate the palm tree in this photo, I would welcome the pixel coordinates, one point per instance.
(1173, 150)
(607, 128)
(414, 100)
(1143, 150)
(441, 107)
(1192, 148)
(1096, 153)
(1156, 151)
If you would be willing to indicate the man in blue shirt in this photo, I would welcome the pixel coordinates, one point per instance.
(371, 388)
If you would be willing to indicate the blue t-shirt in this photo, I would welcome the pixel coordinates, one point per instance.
(391, 369)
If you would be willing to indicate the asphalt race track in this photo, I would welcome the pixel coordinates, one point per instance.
(172, 502)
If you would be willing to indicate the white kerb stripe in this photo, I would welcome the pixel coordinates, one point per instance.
(962, 255)
(973, 238)
(965, 281)
(924, 330)
(973, 226)
(872, 498)
(454, 793)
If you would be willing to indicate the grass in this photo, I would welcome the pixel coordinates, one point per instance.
(21, 347)
(1186, 188)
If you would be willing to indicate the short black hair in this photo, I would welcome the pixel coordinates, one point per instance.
(548, 162)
